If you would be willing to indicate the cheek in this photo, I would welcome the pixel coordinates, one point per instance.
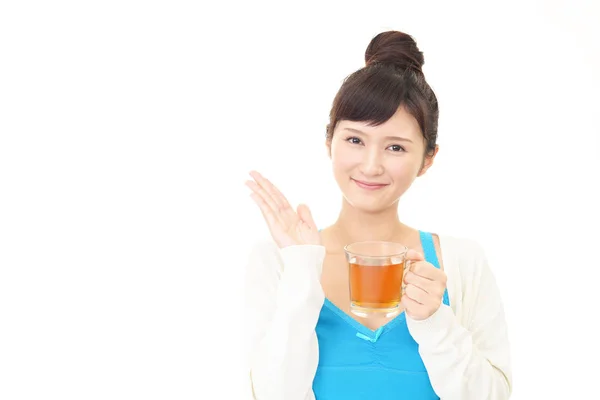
(403, 170)
(343, 159)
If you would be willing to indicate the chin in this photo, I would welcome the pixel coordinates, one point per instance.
(371, 206)
(371, 202)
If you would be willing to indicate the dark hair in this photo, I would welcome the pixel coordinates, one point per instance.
(392, 77)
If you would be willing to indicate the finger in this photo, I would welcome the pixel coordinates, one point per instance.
(412, 308)
(416, 293)
(277, 196)
(427, 270)
(306, 216)
(265, 209)
(431, 287)
(286, 214)
(414, 255)
(262, 193)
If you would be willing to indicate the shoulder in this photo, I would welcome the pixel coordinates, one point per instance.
(264, 256)
(267, 253)
(469, 276)
(267, 262)
(474, 285)
(460, 246)
(264, 247)
(464, 254)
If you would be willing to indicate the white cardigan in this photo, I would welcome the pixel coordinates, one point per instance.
(464, 346)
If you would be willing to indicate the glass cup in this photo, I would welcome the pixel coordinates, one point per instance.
(377, 272)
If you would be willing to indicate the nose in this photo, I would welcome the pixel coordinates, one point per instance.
(372, 163)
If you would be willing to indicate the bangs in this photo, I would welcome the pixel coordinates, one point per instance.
(371, 95)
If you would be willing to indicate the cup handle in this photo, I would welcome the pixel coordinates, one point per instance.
(407, 264)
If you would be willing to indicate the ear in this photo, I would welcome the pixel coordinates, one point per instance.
(428, 162)
(328, 147)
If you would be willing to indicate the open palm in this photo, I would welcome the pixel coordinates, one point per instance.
(288, 227)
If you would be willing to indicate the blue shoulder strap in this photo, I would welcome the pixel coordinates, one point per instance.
(429, 248)
(431, 256)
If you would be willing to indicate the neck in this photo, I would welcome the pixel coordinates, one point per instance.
(355, 225)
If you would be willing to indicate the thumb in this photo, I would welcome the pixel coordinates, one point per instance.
(306, 216)
(414, 255)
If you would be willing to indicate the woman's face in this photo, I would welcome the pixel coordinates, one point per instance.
(375, 165)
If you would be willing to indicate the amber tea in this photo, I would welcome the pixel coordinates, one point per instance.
(376, 277)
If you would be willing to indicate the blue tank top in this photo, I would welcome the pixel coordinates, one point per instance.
(357, 363)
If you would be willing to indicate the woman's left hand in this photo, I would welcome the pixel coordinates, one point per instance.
(425, 286)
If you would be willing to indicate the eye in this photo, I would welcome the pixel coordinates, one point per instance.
(396, 148)
(353, 140)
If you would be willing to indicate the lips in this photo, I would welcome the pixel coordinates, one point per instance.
(369, 185)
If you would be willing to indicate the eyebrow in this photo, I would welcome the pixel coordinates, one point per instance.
(401, 139)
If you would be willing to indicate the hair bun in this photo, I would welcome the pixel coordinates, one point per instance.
(395, 48)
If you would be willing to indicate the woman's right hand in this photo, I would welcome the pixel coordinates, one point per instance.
(287, 227)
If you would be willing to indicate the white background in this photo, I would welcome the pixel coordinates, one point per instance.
(127, 130)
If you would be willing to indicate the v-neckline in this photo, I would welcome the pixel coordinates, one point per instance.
(365, 330)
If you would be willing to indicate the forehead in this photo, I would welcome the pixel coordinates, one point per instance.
(402, 123)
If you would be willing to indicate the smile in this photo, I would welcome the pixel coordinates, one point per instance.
(369, 185)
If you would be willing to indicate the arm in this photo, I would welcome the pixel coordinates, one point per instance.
(468, 361)
(282, 309)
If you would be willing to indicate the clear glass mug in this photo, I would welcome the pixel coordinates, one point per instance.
(377, 272)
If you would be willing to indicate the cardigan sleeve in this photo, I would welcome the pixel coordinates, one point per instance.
(283, 301)
(468, 358)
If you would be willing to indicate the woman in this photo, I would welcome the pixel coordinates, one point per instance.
(450, 340)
